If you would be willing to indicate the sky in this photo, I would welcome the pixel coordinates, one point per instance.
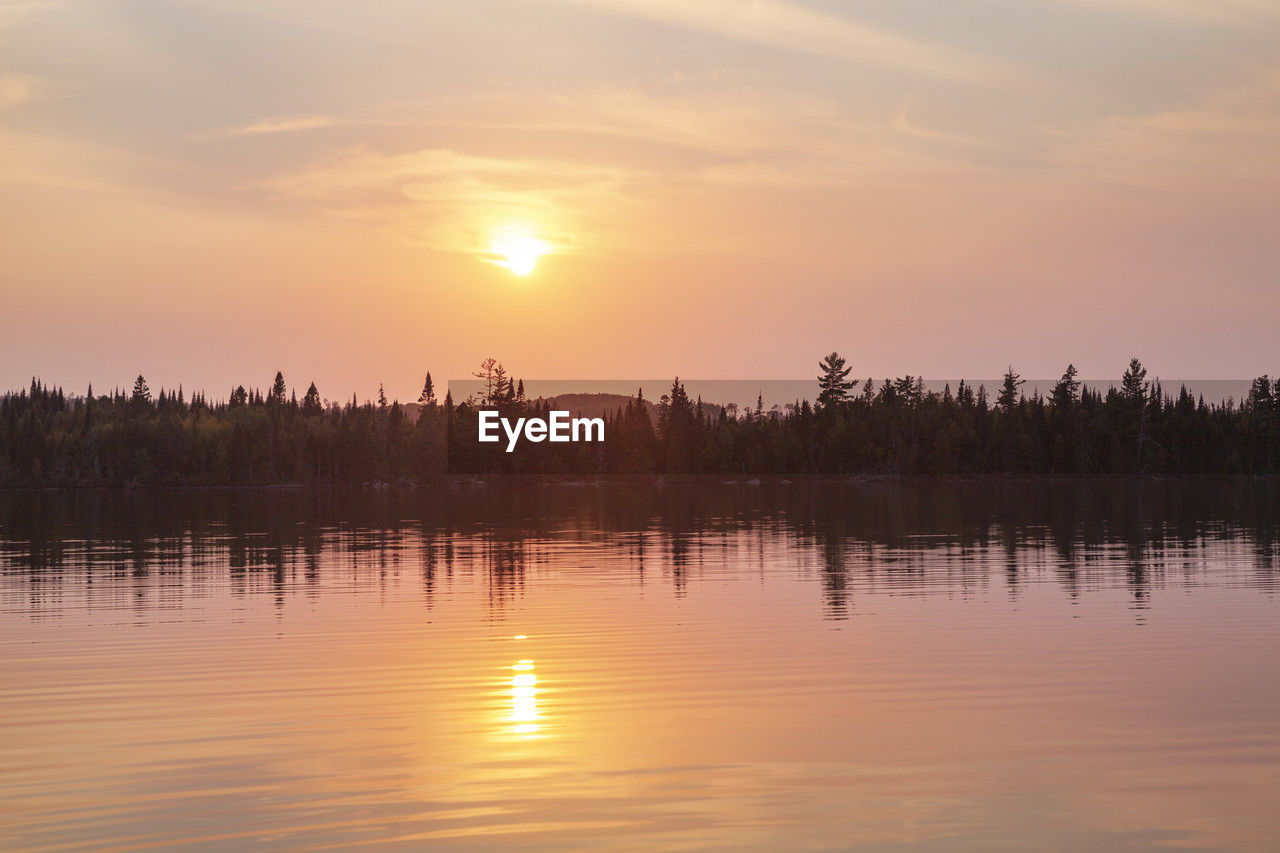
(209, 192)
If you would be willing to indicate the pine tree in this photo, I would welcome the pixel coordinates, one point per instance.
(278, 390)
(868, 391)
(1067, 392)
(486, 373)
(1008, 397)
(1133, 384)
(1133, 391)
(500, 391)
(428, 395)
(141, 393)
(311, 404)
(833, 380)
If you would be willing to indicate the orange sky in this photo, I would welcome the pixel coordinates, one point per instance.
(209, 192)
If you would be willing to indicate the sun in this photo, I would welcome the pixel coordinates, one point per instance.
(518, 252)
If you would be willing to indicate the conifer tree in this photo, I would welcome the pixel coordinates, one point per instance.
(486, 373)
(1133, 384)
(311, 405)
(868, 391)
(1133, 391)
(833, 380)
(1066, 392)
(278, 390)
(500, 386)
(141, 395)
(1008, 397)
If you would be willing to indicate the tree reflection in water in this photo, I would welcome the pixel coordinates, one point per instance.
(900, 537)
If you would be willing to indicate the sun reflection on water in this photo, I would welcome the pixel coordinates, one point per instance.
(524, 698)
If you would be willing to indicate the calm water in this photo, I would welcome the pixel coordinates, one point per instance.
(783, 666)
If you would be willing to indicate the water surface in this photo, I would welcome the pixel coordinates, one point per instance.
(636, 666)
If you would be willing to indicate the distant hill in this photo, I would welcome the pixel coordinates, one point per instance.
(590, 406)
(599, 405)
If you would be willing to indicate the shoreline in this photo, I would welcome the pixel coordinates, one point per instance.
(658, 480)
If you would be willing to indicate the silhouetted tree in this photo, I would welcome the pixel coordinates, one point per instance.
(1133, 385)
(1067, 390)
(500, 391)
(428, 395)
(141, 395)
(311, 405)
(833, 380)
(278, 391)
(1008, 397)
(486, 373)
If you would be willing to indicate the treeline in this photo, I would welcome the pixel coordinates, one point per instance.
(251, 438)
(853, 427)
(895, 427)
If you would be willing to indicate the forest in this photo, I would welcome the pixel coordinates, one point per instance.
(892, 427)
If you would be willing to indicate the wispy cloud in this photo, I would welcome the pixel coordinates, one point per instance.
(664, 146)
(272, 126)
(1225, 143)
(782, 24)
(17, 89)
(286, 124)
(67, 163)
(15, 10)
(453, 201)
(902, 123)
(1198, 11)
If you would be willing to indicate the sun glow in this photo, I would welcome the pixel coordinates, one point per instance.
(524, 698)
(518, 252)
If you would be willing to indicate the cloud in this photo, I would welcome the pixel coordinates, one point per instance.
(67, 163)
(1223, 144)
(452, 201)
(1197, 11)
(271, 126)
(903, 124)
(17, 89)
(782, 24)
(285, 124)
(359, 169)
(12, 12)
(610, 167)
(757, 134)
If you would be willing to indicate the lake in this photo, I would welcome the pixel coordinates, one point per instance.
(638, 665)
